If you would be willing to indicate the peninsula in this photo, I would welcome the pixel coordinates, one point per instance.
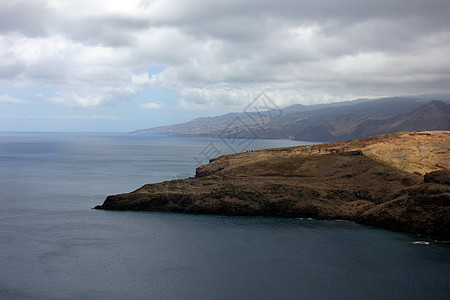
(397, 181)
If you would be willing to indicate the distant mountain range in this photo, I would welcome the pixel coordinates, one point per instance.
(322, 123)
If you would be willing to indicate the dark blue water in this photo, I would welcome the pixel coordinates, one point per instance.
(53, 246)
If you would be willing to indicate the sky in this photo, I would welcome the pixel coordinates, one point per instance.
(114, 65)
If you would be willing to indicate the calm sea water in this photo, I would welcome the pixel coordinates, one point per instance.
(54, 246)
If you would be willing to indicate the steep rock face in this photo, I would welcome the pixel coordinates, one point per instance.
(377, 181)
(422, 208)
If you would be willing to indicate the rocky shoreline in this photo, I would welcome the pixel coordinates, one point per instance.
(398, 181)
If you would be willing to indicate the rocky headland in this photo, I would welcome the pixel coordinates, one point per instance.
(396, 181)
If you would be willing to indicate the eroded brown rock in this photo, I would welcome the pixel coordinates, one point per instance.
(377, 181)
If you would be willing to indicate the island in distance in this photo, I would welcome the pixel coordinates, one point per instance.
(397, 181)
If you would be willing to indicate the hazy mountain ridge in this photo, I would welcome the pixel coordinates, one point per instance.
(324, 122)
(434, 115)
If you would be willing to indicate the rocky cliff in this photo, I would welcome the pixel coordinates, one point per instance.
(397, 181)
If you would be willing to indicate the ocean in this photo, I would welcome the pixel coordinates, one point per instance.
(54, 246)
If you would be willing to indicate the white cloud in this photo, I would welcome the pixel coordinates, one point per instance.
(10, 100)
(222, 53)
(69, 117)
(140, 79)
(150, 105)
(89, 98)
(215, 97)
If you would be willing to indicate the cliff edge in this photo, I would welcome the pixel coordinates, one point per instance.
(397, 181)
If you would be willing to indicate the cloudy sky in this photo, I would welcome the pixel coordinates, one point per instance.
(114, 65)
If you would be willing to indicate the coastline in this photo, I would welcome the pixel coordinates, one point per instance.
(396, 181)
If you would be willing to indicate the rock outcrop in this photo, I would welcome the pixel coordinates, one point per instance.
(397, 181)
